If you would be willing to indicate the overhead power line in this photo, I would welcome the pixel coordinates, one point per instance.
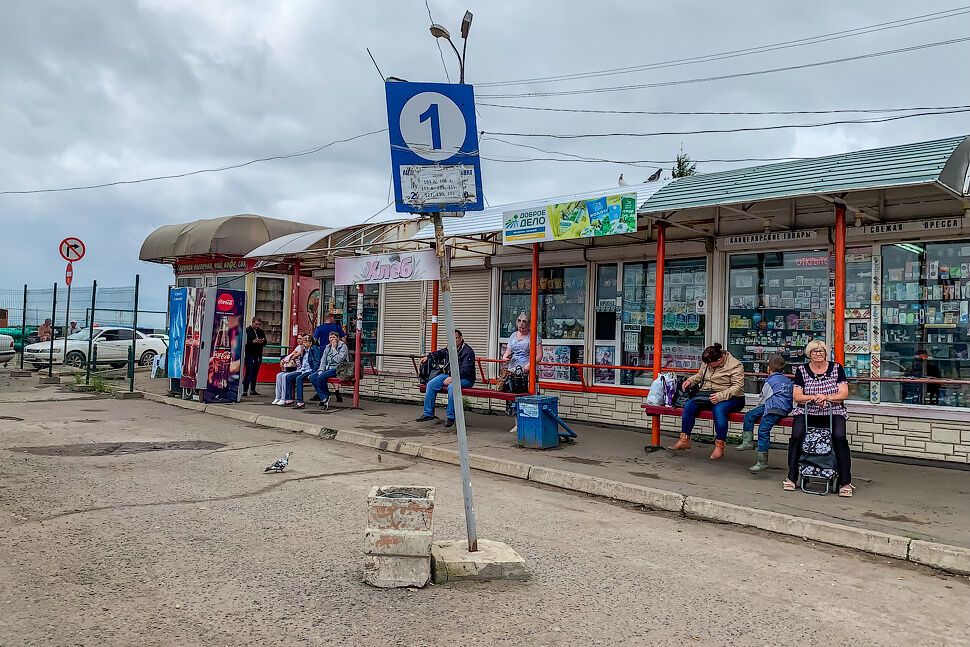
(833, 111)
(723, 77)
(309, 151)
(710, 131)
(801, 42)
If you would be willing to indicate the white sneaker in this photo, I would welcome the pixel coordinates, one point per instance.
(275, 402)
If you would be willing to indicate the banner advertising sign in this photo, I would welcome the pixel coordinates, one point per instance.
(194, 304)
(387, 268)
(176, 332)
(225, 312)
(604, 216)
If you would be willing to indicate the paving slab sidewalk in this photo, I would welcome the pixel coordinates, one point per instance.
(909, 501)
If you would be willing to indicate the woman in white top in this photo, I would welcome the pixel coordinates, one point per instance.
(517, 353)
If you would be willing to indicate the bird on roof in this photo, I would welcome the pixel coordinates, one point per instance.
(279, 465)
(654, 177)
(622, 182)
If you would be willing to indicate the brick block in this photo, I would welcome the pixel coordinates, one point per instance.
(869, 427)
(908, 424)
(891, 420)
(945, 435)
(397, 543)
(384, 513)
(394, 572)
(940, 448)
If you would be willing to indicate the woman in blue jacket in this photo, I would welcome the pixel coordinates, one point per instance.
(775, 404)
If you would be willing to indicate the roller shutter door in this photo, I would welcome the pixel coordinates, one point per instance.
(471, 295)
(402, 325)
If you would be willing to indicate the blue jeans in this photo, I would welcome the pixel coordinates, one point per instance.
(319, 381)
(768, 420)
(431, 393)
(295, 380)
(721, 411)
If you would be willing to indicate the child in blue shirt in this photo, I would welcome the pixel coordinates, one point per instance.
(775, 404)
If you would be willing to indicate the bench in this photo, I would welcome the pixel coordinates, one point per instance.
(706, 414)
(479, 393)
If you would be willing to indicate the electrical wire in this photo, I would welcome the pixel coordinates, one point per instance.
(723, 77)
(710, 131)
(801, 42)
(832, 111)
(309, 151)
(437, 42)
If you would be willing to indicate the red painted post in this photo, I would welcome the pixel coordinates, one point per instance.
(294, 304)
(434, 315)
(534, 324)
(359, 351)
(838, 343)
(658, 316)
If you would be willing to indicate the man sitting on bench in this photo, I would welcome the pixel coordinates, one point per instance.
(466, 371)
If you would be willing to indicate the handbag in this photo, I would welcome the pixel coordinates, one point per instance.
(690, 392)
(345, 370)
(703, 398)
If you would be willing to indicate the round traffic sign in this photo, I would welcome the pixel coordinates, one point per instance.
(72, 249)
(433, 126)
(69, 273)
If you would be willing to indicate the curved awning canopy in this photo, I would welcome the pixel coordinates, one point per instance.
(227, 236)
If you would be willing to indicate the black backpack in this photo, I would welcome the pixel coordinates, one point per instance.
(428, 370)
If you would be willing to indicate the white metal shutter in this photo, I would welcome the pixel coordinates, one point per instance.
(471, 294)
(402, 324)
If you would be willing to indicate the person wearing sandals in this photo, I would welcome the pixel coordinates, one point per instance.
(820, 388)
(721, 382)
(288, 364)
(309, 360)
(334, 354)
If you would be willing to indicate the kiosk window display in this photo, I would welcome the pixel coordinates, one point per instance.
(562, 315)
(348, 295)
(270, 293)
(858, 319)
(777, 303)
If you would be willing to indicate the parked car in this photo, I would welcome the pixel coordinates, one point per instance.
(112, 345)
(7, 350)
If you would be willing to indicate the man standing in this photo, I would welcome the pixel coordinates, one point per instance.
(466, 372)
(255, 341)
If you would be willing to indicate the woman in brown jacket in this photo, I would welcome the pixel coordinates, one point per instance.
(721, 381)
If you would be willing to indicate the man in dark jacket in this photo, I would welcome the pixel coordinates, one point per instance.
(255, 341)
(466, 372)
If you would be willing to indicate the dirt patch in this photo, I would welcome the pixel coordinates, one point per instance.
(900, 518)
(88, 420)
(116, 449)
(13, 418)
(583, 461)
(646, 475)
(93, 410)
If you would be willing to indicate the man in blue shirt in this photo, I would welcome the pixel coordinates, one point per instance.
(322, 336)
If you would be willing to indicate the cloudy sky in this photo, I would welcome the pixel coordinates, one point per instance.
(99, 91)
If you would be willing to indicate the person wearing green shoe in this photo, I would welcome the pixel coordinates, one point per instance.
(775, 404)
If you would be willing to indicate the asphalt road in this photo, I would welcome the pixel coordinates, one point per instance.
(182, 546)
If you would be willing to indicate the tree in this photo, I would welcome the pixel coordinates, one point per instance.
(684, 167)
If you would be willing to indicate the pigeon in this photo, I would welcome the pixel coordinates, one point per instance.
(279, 465)
(654, 177)
(622, 182)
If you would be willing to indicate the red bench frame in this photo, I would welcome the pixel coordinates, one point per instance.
(479, 393)
(706, 414)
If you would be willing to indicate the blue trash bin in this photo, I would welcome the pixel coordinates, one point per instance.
(538, 422)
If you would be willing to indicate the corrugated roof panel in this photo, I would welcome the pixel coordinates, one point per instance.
(917, 163)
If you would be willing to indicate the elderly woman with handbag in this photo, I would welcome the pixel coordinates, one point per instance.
(718, 386)
(288, 364)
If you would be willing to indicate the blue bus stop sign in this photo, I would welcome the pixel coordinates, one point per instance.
(434, 147)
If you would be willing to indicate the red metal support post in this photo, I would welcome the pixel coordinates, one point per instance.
(658, 328)
(435, 286)
(294, 304)
(359, 350)
(534, 324)
(838, 341)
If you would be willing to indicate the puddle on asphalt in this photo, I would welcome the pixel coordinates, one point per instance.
(584, 461)
(116, 449)
(14, 418)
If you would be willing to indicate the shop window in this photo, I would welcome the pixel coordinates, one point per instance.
(232, 282)
(370, 319)
(606, 324)
(684, 319)
(925, 320)
(562, 315)
(269, 307)
(188, 282)
(777, 303)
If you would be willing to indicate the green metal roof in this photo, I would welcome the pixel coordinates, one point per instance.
(943, 161)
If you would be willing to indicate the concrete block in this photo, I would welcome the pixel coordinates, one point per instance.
(392, 572)
(493, 560)
(869, 427)
(191, 405)
(128, 395)
(945, 435)
(954, 559)
(868, 541)
(438, 454)
(18, 373)
(409, 543)
(650, 497)
(81, 388)
(499, 466)
(892, 420)
(908, 424)
(289, 425)
(939, 448)
(50, 380)
(361, 438)
(231, 412)
(414, 513)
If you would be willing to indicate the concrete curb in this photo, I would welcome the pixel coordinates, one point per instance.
(954, 559)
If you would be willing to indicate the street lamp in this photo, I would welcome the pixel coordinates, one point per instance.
(440, 32)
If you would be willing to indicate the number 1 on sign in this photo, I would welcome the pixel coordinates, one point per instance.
(432, 114)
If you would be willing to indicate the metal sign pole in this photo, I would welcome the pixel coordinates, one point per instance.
(67, 323)
(50, 355)
(466, 476)
(134, 336)
(94, 294)
(23, 329)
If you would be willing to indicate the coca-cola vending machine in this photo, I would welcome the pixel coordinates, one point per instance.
(223, 344)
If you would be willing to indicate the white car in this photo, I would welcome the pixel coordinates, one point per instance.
(6, 349)
(112, 345)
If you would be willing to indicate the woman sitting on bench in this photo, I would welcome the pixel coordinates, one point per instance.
(719, 387)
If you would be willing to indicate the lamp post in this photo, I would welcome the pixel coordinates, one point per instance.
(471, 526)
